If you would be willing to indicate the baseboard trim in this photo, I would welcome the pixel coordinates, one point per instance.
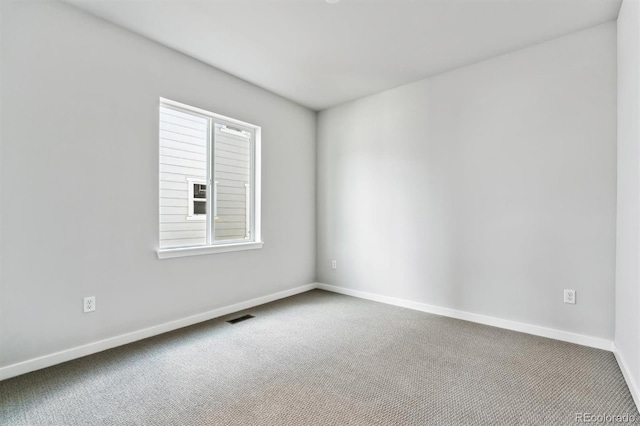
(112, 342)
(123, 339)
(631, 383)
(551, 333)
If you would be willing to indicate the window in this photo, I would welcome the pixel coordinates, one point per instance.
(209, 182)
(197, 199)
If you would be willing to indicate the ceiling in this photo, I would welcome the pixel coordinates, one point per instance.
(320, 54)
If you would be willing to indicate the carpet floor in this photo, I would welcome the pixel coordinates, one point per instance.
(325, 359)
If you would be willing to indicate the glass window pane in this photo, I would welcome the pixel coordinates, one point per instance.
(232, 176)
(199, 207)
(199, 191)
(183, 174)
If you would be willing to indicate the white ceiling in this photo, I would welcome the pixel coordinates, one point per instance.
(320, 54)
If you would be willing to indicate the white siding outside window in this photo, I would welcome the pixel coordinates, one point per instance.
(232, 172)
(183, 161)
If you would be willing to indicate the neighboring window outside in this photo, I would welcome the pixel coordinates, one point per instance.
(197, 199)
(209, 188)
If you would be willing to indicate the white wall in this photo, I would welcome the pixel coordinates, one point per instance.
(2, 6)
(627, 336)
(488, 189)
(80, 135)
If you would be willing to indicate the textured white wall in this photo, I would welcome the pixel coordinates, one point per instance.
(80, 136)
(488, 189)
(627, 337)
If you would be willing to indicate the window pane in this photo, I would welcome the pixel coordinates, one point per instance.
(183, 174)
(232, 162)
(199, 207)
(199, 191)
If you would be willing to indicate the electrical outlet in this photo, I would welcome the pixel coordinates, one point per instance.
(334, 264)
(570, 296)
(89, 304)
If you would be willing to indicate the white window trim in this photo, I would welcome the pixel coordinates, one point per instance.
(168, 253)
(255, 241)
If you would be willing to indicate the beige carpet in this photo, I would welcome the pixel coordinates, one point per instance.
(325, 359)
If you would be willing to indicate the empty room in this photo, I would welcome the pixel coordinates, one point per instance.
(319, 212)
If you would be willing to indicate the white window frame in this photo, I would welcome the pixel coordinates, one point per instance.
(253, 239)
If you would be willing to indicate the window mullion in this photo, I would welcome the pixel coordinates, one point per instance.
(210, 191)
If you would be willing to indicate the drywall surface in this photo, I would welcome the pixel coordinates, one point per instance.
(627, 336)
(80, 172)
(1, 191)
(488, 189)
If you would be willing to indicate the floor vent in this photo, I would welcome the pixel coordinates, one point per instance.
(240, 319)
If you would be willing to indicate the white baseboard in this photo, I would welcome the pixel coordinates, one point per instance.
(112, 342)
(631, 383)
(551, 333)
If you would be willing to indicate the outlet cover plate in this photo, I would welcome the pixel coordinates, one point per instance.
(89, 304)
(570, 296)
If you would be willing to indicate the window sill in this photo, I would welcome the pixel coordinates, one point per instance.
(196, 251)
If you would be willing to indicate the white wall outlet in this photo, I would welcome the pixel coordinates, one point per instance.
(89, 304)
(334, 264)
(570, 296)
